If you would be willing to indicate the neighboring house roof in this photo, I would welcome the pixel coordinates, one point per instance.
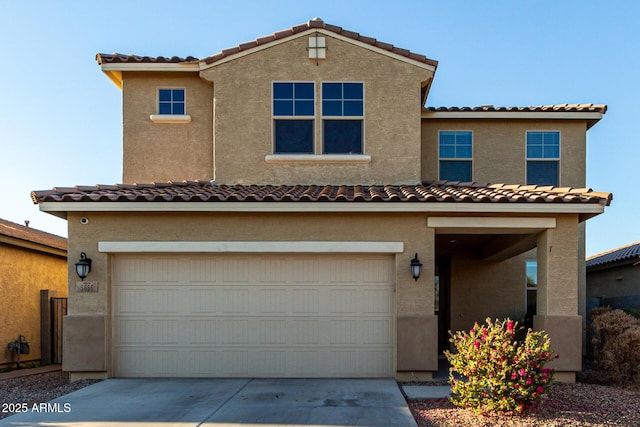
(433, 191)
(315, 23)
(20, 235)
(628, 253)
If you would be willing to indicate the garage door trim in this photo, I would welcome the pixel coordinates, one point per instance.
(250, 247)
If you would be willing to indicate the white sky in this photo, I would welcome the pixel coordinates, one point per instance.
(61, 123)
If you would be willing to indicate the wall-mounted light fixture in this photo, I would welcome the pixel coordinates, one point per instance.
(416, 268)
(83, 266)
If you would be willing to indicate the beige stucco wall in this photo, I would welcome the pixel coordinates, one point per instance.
(23, 273)
(244, 121)
(499, 148)
(486, 289)
(412, 299)
(158, 152)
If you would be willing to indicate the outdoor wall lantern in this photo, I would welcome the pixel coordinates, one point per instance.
(83, 266)
(416, 267)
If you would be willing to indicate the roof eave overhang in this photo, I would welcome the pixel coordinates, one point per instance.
(33, 246)
(584, 210)
(244, 52)
(114, 70)
(591, 117)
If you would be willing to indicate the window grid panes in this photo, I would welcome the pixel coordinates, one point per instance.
(293, 99)
(543, 155)
(456, 153)
(171, 101)
(293, 111)
(342, 111)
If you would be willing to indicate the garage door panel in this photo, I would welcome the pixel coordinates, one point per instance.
(252, 316)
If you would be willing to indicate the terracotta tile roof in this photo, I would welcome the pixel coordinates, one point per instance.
(628, 252)
(315, 23)
(561, 108)
(21, 232)
(119, 58)
(435, 191)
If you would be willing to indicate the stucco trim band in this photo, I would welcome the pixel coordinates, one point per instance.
(525, 224)
(252, 247)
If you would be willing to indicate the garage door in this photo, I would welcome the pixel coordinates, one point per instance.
(253, 315)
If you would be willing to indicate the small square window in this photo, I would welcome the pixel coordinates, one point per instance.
(171, 101)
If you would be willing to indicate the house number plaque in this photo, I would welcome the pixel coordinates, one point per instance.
(86, 286)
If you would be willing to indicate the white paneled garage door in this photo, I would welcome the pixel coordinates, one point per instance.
(274, 315)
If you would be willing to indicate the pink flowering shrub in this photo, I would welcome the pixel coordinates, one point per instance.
(499, 373)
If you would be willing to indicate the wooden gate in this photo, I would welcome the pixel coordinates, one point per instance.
(58, 311)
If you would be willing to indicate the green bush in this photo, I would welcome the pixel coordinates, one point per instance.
(499, 373)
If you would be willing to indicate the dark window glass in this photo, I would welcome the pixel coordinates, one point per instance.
(303, 108)
(282, 108)
(304, 91)
(331, 90)
(542, 173)
(283, 91)
(294, 136)
(343, 136)
(164, 108)
(332, 108)
(178, 108)
(353, 91)
(455, 170)
(293, 99)
(165, 95)
(342, 99)
(178, 95)
(543, 145)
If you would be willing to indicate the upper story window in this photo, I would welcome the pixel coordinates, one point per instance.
(456, 155)
(293, 112)
(171, 101)
(342, 118)
(543, 158)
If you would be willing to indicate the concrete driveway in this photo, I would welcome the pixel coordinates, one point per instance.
(225, 402)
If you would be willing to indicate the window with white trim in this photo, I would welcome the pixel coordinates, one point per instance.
(342, 117)
(171, 101)
(455, 155)
(293, 117)
(543, 158)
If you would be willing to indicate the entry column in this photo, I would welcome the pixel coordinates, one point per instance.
(557, 301)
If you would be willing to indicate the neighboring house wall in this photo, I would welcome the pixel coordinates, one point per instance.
(244, 121)
(616, 281)
(499, 148)
(160, 152)
(23, 273)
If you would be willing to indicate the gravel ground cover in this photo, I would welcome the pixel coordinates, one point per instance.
(38, 388)
(568, 405)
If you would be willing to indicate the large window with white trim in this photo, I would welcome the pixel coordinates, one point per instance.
(293, 117)
(455, 150)
(342, 117)
(543, 158)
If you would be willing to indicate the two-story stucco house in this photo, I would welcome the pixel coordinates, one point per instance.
(276, 196)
